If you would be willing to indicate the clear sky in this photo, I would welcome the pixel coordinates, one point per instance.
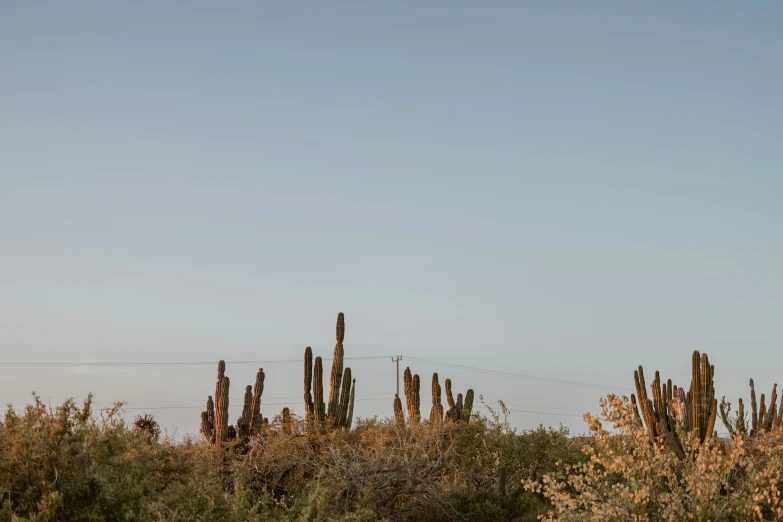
(559, 191)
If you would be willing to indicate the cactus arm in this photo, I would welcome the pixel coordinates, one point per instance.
(350, 405)
(399, 416)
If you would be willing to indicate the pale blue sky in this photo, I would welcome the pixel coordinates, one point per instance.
(561, 191)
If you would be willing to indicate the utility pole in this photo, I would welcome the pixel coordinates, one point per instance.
(397, 360)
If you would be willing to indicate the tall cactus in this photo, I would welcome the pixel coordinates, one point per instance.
(467, 407)
(337, 372)
(256, 419)
(671, 410)
(399, 416)
(208, 421)
(449, 395)
(221, 413)
(308, 381)
(754, 409)
(243, 423)
(345, 397)
(338, 411)
(407, 388)
(349, 422)
(319, 408)
(412, 388)
(436, 413)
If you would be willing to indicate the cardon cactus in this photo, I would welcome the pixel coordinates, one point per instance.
(412, 389)
(256, 419)
(399, 416)
(221, 413)
(449, 395)
(208, 421)
(243, 422)
(764, 418)
(671, 410)
(345, 396)
(319, 409)
(467, 407)
(308, 379)
(457, 411)
(337, 373)
(349, 421)
(436, 413)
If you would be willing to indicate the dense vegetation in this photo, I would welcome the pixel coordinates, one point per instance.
(660, 459)
(71, 464)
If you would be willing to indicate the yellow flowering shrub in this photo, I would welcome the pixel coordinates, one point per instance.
(628, 478)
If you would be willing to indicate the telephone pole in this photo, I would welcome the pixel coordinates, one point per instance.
(397, 360)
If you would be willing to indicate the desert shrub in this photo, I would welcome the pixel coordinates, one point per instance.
(628, 478)
(72, 463)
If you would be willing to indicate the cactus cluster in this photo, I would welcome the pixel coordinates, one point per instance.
(459, 410)
(214, 420)
(672, 410)
(341, 387)
(763, 419)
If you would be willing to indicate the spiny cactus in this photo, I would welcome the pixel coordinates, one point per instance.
(349, 421)
(208, 421)
(467, 407)
(436, 413)
(412, 389)
(243, 422)
(308, 378)
(256, 419)
(399, 416)
(449, 396)
(671, 410)
(457, 411)
(345, 396)
(340, 406)
(221, 410)
(319, 409)
(764, 418)
(337, 373)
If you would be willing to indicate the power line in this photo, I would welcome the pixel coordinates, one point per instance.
(517, 375)
(172, 363)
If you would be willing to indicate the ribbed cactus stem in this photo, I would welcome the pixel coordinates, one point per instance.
(345, 397)
(449, 396)
(221, 413)
(436, 413)
(697, 399)
(467, 408)
(771, 412)
(256, 419)
(308, 381)
(318, 392)
(407, 388)
(349, 422)
(337, 372)
(762, 411)
(208, 421)
(416, 417)
(243, 423)
(399, 416)
(741, 417)
(754, 412)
